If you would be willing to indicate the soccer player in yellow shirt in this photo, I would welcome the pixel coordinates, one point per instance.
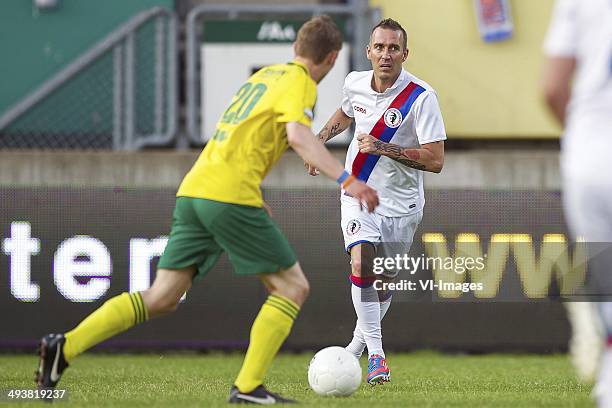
(219, 207)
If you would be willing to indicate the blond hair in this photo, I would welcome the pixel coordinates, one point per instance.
(317, 38)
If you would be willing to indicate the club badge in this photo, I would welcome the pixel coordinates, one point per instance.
(353, 227)
(393, 118)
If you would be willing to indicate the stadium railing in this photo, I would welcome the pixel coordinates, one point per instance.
(120, 94)
(360, 16)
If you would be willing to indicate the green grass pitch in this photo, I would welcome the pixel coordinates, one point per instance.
(423, 379)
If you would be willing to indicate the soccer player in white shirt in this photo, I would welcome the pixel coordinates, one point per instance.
(399, 133)
(578, 89)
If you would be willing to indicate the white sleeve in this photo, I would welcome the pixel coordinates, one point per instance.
(347, 106)
(561, 39)
(429, 124)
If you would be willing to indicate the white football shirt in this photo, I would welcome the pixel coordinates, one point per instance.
(406, 114)
(583, 30)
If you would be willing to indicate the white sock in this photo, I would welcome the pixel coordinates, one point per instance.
(358, 344)
(367, 308)
(587, 341)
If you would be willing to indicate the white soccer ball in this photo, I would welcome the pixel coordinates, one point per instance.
(335, 372)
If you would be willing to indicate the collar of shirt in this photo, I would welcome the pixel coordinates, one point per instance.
(299, 64)
(403, 76)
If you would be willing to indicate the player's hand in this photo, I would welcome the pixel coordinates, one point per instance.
(367, 143)
(267, 208)
(364, 193)
(312, 170)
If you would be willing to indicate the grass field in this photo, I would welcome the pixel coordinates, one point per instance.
(423, 379)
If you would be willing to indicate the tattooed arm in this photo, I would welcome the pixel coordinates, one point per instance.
(429, 157)
(337, 124)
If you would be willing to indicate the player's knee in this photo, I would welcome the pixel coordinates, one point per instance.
(165, 306)
(159, 305)
(356, 267)
(168, 305)
(360, 268)
(298, 291)
(304, 289)
(361, 260)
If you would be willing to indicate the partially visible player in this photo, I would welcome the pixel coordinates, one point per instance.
(219, 208)
(578, 89)
(399, 134)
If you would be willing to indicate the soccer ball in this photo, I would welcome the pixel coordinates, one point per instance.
(335, 372)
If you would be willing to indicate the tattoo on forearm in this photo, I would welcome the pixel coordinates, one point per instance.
(411, 163)
(334, 130)
(322, 135)
(407, 157)
(383, 147)
(412, 154)
(326, 133)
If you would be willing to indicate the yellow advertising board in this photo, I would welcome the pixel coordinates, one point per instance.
(486, 89)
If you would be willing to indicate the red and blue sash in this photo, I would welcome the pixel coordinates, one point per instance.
(364, 163)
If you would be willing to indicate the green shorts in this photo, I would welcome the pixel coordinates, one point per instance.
(203, 229)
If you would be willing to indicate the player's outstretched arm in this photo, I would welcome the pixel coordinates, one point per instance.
(302, 140)
(337, 124)
(429, 157)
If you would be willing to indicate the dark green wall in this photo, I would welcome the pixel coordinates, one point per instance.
(34, 45)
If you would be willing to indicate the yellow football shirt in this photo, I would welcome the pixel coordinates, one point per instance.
(251, 136)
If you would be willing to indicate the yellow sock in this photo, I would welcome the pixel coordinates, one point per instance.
(115, 316)
(269, 331)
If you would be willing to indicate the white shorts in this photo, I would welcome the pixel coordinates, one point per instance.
(389, 235)
(587, 199)
(587, 193)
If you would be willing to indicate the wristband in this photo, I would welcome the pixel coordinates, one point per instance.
(348, 181)
(345, 174)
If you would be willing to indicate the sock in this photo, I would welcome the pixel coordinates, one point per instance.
(269, 331)
(114, 316)
(586, 342)
(358, 344)
(367, 308)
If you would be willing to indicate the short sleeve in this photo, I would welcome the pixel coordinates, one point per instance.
(347, 106)
(561, 39)
(296, 104)
(429, 123)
